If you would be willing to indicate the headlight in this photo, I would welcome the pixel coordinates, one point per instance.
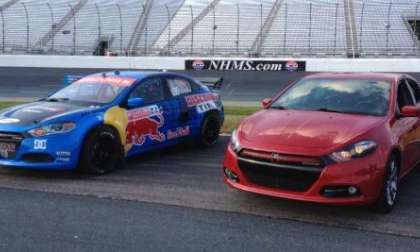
(234, 142)
(357, 150)
(56, 128)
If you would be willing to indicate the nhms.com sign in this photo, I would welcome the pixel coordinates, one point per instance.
(245, 65)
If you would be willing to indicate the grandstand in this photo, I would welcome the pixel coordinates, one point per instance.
(262, 28)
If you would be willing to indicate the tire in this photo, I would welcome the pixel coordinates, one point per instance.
(102, 152)
(210, 130)
(389, 193)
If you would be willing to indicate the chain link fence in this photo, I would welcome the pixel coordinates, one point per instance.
(287, 28)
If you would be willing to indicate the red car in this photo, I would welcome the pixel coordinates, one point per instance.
(344, 139)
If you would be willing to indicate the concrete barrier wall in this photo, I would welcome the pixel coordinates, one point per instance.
(178, 63)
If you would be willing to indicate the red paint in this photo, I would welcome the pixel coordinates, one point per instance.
(303, 137)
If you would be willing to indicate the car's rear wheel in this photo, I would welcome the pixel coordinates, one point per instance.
(102, 152)
(210, 130)
(389, 193)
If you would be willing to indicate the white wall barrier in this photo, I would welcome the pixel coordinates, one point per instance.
(178, 63)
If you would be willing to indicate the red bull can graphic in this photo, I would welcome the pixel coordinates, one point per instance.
(145, 123)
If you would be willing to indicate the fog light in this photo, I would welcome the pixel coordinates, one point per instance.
(352, 190)
(231, 175)
(340, 191)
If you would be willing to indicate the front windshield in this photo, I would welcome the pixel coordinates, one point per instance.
(93, 90)
(336, 95)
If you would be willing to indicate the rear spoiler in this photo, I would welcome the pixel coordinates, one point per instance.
(211, 82)
(69, 79)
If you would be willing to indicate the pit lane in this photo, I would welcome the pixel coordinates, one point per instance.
(191, 177)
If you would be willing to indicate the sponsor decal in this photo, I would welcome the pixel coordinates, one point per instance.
(112, 80)
(194, 100)
(179, 132)
(246, 65)
(9, 120)
(198, 64)
(145, 123)
(203, 102)
(40, 144)
(292, 66)
(207, 106)
(63, 156)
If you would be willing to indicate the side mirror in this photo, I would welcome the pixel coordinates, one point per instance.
(135, 103)
(266, 102)
(410, 111)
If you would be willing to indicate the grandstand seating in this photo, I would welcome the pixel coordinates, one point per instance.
(297, 28)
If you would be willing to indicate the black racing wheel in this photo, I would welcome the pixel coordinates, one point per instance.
(210, 130)
(102, 152)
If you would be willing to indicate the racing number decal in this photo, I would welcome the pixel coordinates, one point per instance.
(145, 123)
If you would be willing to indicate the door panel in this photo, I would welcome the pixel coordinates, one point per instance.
(408, 128)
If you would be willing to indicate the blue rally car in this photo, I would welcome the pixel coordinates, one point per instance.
(98, 120)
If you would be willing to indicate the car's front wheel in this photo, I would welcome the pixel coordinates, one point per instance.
(389, 193)
(102, 152)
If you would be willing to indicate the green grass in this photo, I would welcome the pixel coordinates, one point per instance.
(8, 104)
(233, 114)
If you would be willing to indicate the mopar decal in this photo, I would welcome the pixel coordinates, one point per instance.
(246, 65)
(145, 123)
(63, 156)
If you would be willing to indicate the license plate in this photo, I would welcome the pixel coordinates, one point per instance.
(7, 149)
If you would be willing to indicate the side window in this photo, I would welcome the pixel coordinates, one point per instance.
(151, 90)
(179, 86)
(404, 95)
(416, 89)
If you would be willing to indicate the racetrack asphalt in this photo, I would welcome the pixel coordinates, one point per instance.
(176, 199)
(240, 88)
(190, 180)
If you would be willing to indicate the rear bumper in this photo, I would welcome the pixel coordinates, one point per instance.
(365, 174)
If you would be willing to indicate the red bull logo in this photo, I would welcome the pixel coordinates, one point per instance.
(145, 123)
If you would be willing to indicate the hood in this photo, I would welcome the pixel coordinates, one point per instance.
(36, 112)
(303, 132)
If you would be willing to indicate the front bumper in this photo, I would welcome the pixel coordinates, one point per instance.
(55, 152)
(365, 174)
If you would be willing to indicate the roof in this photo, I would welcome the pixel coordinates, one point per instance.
(128, 74)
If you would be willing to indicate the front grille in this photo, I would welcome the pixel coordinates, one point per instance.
(37, 158)
(9, 144)
(10, 137)
(285, 172)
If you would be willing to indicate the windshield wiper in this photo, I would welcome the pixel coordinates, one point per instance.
(57, 99)
(278, 107)
(329, 110)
